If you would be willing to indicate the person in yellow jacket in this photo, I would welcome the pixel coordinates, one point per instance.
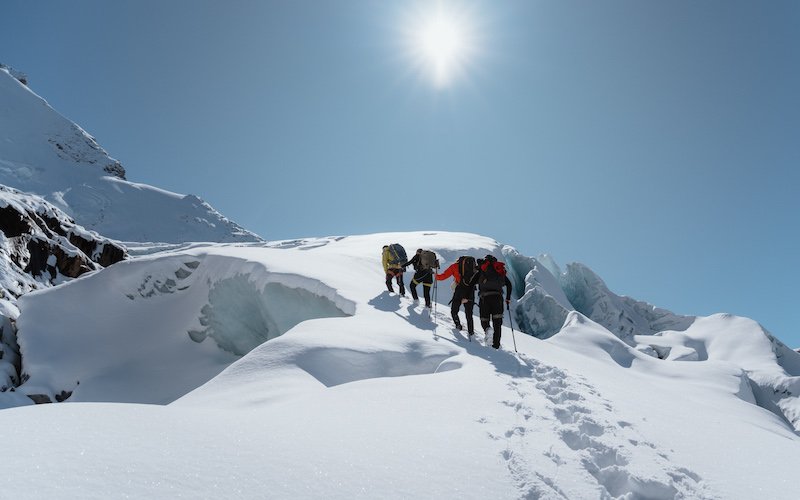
(394, 270)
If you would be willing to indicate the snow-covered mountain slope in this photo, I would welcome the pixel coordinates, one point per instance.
(44, 153)
(373, 396)
(40, 246)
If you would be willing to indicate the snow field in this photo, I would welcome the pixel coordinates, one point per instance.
(387, 401)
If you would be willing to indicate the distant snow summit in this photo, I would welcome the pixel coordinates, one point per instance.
(44, 153)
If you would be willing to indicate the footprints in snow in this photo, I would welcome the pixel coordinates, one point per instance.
(593, 441)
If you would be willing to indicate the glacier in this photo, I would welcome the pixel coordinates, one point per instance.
(354, 384)
(241, 297)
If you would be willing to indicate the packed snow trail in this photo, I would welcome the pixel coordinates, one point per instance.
(592, 437)
(595, 444)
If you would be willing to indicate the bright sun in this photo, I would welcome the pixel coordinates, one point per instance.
(441, 42)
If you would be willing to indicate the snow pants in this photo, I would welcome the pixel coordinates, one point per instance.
(398, 275)
(463, 295)
(426, 278)
(491, 306)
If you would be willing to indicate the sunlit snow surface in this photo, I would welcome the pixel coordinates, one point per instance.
(372, 396)
(43, 152)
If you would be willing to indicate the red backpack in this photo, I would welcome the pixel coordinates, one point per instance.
(493, 275)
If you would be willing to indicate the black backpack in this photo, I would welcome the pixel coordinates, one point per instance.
(397, 254)
(493, 276)
(467, 268)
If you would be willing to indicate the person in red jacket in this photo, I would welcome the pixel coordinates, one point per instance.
(464, 272)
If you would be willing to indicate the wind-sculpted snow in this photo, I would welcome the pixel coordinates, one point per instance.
(160, 326)
(311, 358)
(772, 368)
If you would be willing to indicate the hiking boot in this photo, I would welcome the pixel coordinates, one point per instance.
(459, 327)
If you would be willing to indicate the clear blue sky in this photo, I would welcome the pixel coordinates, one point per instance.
(656, 142)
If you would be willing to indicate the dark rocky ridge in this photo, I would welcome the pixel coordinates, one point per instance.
(34, 235)
(40, 246)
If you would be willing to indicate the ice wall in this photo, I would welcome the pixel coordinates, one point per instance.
(544, 300)
(541, 307)
(239, 316)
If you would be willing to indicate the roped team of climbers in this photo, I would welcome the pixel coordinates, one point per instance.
(488, 274)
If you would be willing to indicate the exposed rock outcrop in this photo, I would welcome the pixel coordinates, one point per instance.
(45, 244)
(40, 246)
(22, 77)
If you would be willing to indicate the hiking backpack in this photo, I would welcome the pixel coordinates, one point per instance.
(397, 255)
(428, 260)
(467, 268)
(493, 276)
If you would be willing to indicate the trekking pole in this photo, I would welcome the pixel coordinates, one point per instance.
(511, 322)
(435, 290)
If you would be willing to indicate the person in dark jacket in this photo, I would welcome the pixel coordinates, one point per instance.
(491, 281)
(464, 292)
(423, 275)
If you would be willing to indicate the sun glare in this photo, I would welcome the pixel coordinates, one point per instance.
(441, 42)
